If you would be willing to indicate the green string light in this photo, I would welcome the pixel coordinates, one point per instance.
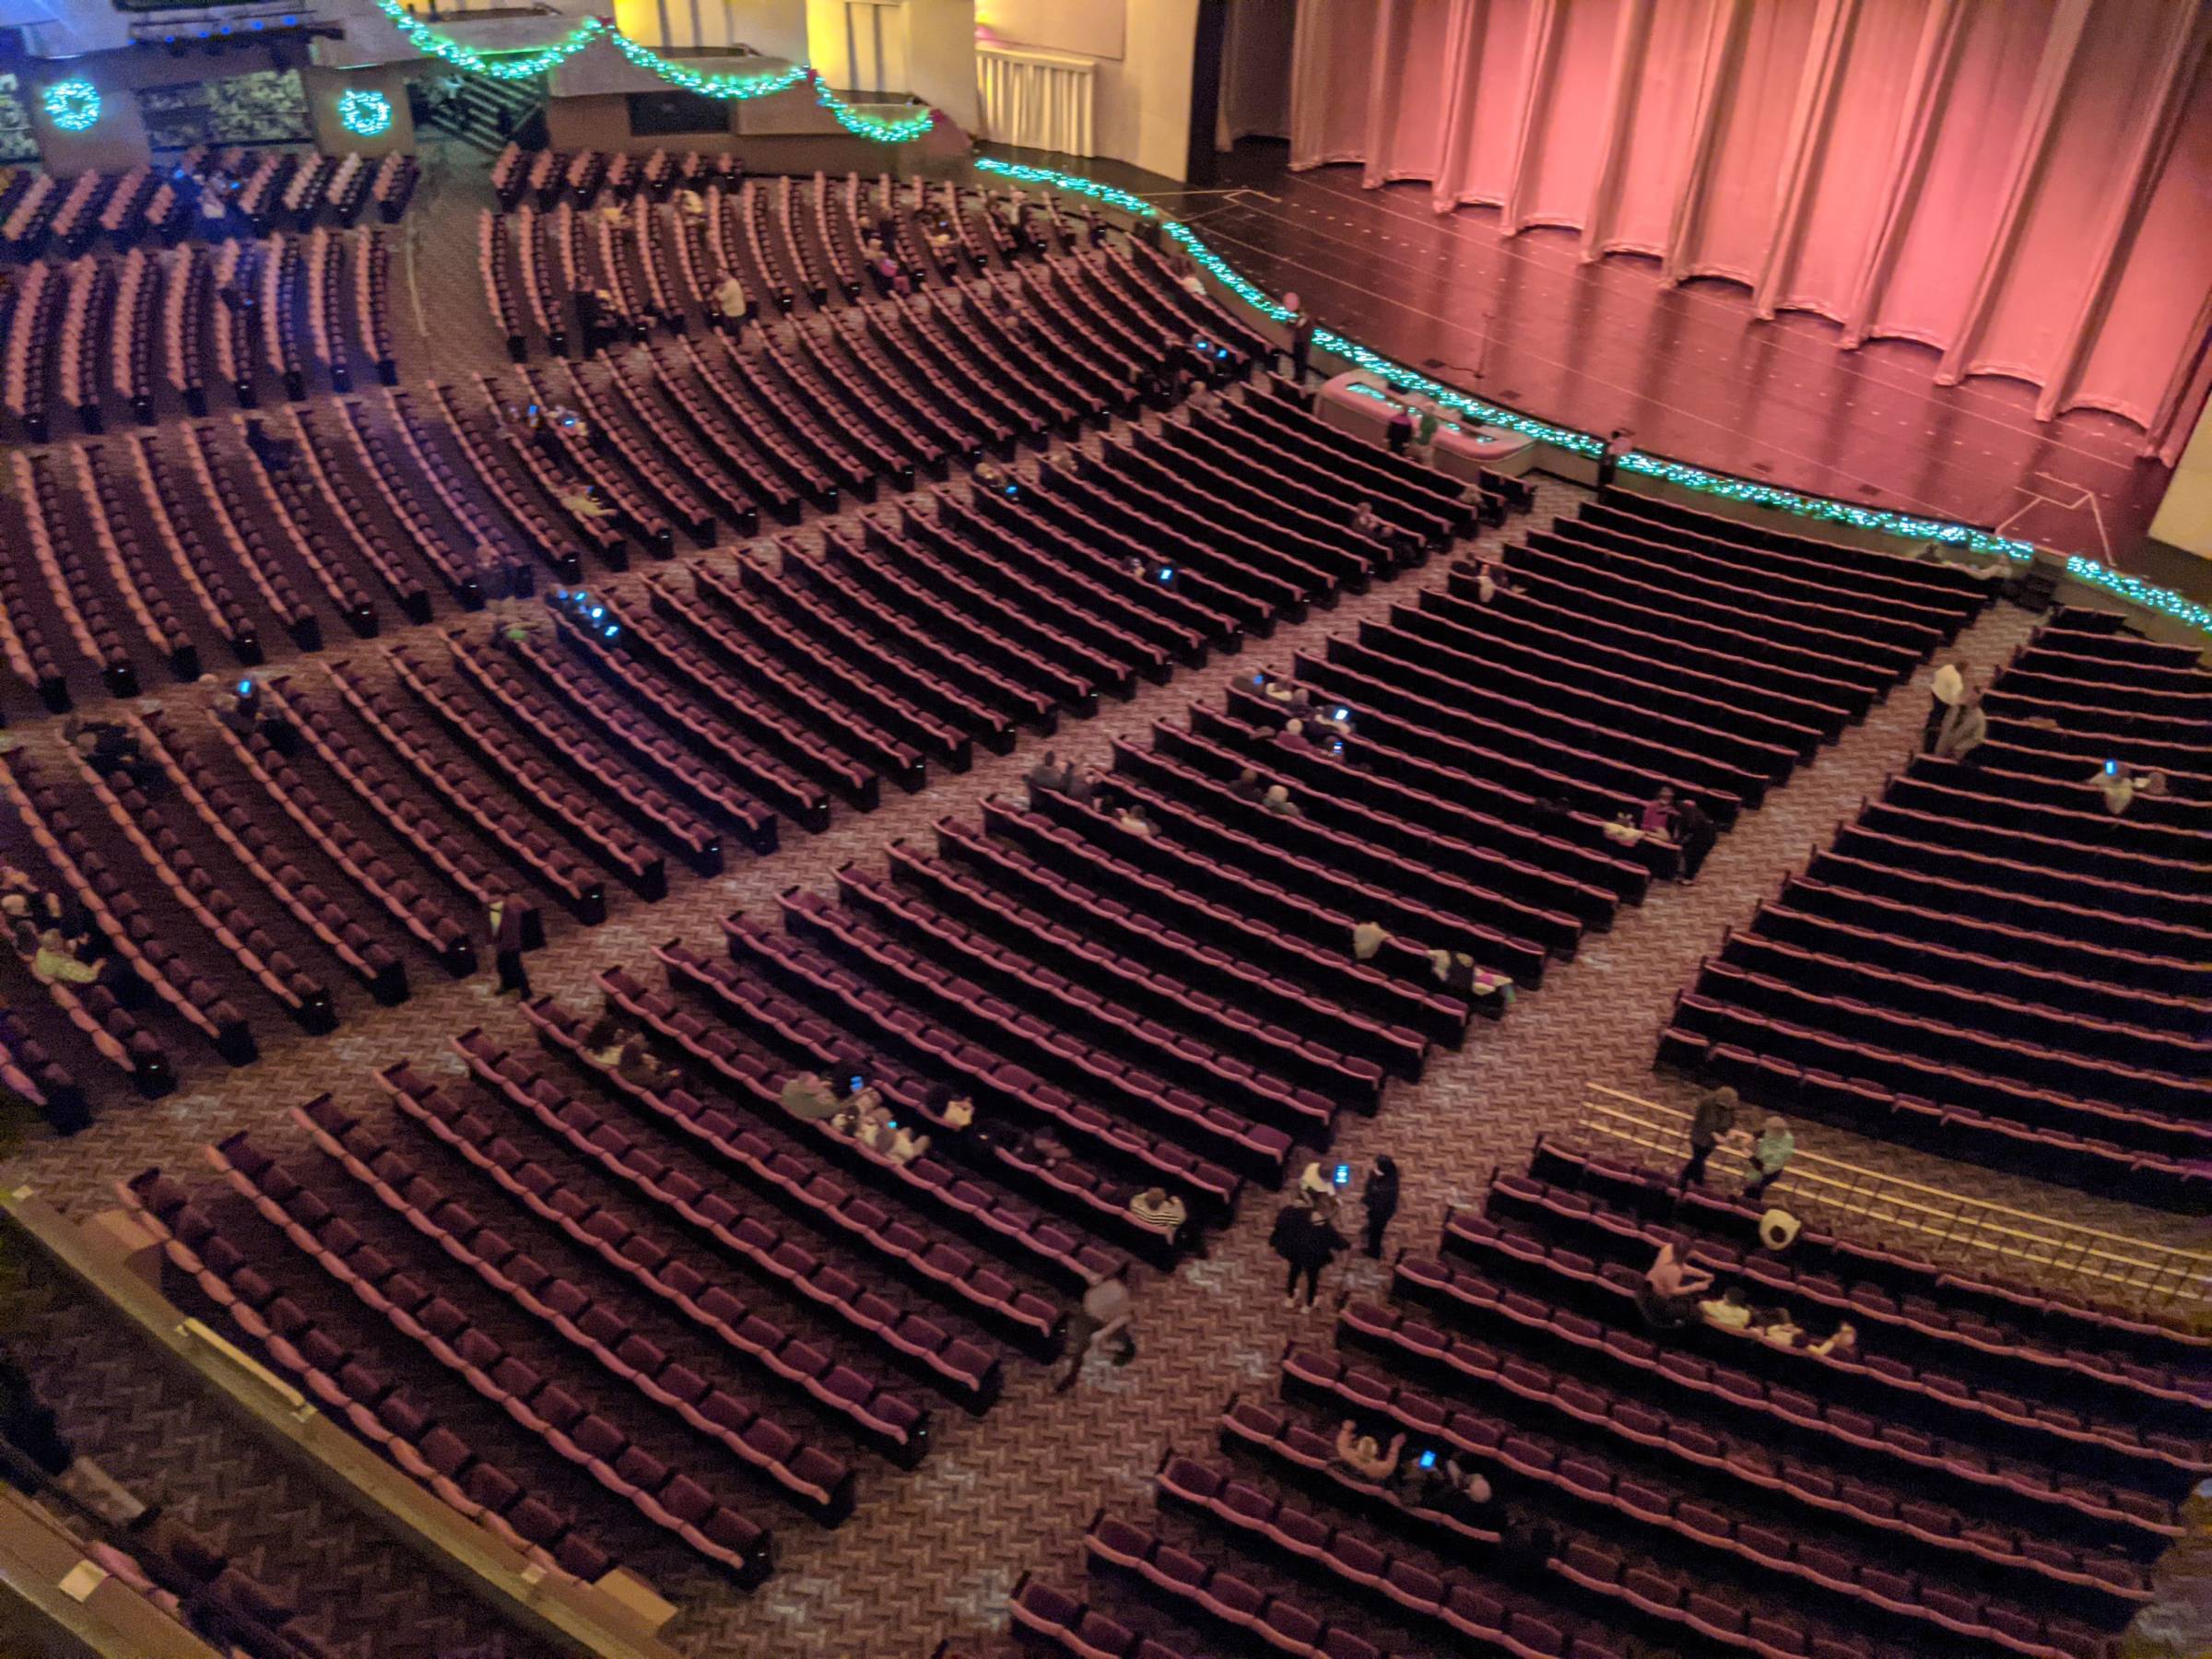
(1692, 478)
(72, 105)
(524, 65)
(2136, 592)
(364, 113)
(1068, 181)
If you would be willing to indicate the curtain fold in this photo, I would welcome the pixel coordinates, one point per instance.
(2020, 186)
(1036, 99)
(1255, 89)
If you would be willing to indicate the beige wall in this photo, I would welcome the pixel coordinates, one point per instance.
(2184, 517)
(925, 47)
(1087, 28)
(1143, 113)
(777, 28)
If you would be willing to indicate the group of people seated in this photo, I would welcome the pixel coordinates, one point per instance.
(1429, 1478)
(1674, 1294)
(53, 935)
(851, 1106)
(623, 1050)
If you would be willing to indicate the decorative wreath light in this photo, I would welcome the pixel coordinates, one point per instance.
(71, 105)
(517, 66)
(364, 113)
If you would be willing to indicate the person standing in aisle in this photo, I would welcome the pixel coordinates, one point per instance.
(1714, 1117)
(1950, 688)
(1306, 1239)
(1619, 443)
(1103, 1316)
(507, 947)
(1379, 1197)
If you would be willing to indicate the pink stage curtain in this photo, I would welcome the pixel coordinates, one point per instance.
(2021, 186)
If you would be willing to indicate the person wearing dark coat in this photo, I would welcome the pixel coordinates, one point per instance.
(1379, 1197)
(1715, 1116)
(1696, 834)
(1308, 1240)
(507, 947)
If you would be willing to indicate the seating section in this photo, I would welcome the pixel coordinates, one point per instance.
(1644, 1490)
(2002, 956)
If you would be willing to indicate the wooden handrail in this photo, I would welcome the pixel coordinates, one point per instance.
(2146, 1270)
(576, 1617)
(67, 1605)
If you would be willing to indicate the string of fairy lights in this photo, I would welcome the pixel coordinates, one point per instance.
(74, 106)
(524, 65)
(1679, 474)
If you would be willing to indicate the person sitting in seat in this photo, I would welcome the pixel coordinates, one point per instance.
(1246, 786)
(1132, 818)
(641, 1068)
(808, 1097)
(604, 1042)
(1160, 1211)
(1277, 801)
(1365, 1457)
(1841, 1343)
(1047, 777)
(584, 503)
(1659, 813)
(1454, 969)
(905, 1146)
(731, 303)
(57, 959)
(1775, 1326)
(1460, 1491)
(1730, 1313)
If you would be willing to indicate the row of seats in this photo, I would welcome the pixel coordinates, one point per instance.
(1993, 953)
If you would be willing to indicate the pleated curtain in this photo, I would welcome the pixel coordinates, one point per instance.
(1037, 100)
(2024, 185)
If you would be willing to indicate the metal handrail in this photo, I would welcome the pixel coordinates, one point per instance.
(2151, 1275)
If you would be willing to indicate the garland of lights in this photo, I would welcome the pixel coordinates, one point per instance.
(364, 113)
(2165, 601)
(514, 67)
(71, 105)
(1696, 480)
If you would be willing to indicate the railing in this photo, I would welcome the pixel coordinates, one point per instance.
(2057, 1254)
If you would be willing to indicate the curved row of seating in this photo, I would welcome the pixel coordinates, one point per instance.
(352, 1385)
(1997, 953)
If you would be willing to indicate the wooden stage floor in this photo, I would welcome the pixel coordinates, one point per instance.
(1689, 369)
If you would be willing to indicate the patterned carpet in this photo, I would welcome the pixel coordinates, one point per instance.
(932, 1553)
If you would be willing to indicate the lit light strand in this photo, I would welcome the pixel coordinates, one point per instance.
(1684, 477)
(1071, 183)
(1408, 380)
(364, 113)
(524, 65)
(71, 105)
(1235, 280)
(1821, 506)
(2165, 601)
